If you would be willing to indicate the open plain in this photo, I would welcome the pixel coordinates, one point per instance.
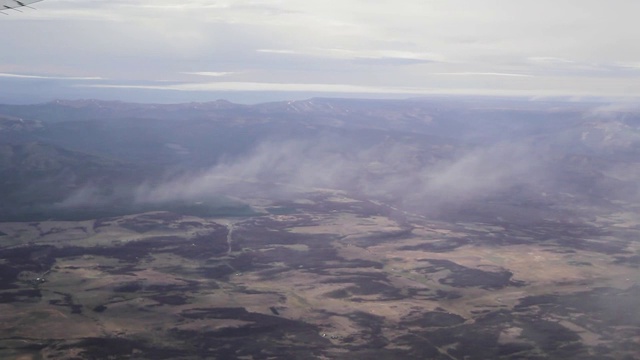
(317, 284)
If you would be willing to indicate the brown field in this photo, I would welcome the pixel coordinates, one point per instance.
(318, 284)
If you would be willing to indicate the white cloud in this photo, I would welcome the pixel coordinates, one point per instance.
(484, 74)
(349, 54)
(629, 65)
(279, 51)
(46, 77)
(254, 86)
(500, 89)
(549, 60)
(565, 45)
(209, 73)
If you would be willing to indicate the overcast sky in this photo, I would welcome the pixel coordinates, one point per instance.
(180, 49)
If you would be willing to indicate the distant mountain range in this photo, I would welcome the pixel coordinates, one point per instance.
(49, 151)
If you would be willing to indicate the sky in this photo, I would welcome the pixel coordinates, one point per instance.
(253, 50)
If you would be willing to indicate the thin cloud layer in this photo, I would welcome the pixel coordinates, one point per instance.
(290, 168)
(460, 46)
(41, 77)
